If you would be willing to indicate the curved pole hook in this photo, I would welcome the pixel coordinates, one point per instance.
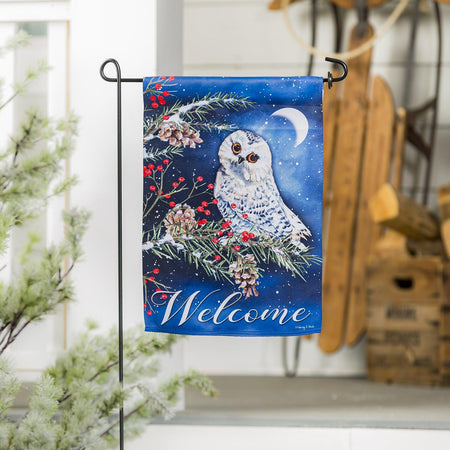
(105, 77)
(329, 79)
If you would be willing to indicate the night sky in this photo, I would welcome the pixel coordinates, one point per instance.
(298, 175)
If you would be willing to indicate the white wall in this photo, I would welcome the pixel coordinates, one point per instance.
(100, 30)
(234, 37)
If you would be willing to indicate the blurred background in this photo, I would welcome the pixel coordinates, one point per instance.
(402, 116)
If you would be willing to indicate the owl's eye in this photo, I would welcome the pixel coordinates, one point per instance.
(252, 157)
(236, 147)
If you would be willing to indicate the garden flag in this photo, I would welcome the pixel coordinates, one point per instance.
(232, 205)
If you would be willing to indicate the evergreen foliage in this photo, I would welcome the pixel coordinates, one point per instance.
(76, 401)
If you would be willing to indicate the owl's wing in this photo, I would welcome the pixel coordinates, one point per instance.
(268, 211)
(262, 212)
(297, 228)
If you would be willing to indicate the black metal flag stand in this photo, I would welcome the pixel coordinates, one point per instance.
(119, 80)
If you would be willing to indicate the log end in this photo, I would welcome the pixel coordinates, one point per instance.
(384, 206)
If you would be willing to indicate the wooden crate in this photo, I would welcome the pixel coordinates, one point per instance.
(408, 320)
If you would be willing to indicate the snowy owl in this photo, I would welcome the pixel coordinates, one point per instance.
(247, 193)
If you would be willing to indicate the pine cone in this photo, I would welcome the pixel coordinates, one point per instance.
(176, 137)
(245, 274)
(180, 220)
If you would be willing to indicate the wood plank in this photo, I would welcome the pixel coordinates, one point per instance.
(378, 357)
(406, 280)
(419, 340)
(375, 172)
(407, 375)
(444, 201)
(445, 234)
(444, 354)
(391, 208)
(399, 148)
(330, 115)
(444, 210)
(405, 316)
(345, 183)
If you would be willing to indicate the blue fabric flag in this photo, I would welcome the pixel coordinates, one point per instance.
(232, 205)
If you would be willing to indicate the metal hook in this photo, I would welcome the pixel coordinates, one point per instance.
(119, 78)
(102, 70)
(329, 79)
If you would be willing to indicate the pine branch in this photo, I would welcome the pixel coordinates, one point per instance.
(202, 248)
(213, 126)
(42, 285)
(168, 152)
(20, 39)
(196, 111)
(20, 87)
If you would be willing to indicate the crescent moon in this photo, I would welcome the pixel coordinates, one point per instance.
(298, 119)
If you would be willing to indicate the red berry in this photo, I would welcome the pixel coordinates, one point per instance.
(175, 184)
(145, 281)
(225, 225)
(245, 233)
(161, 192)
(149, 312)
(237, 248)
(166, 161)
(159, 168)
(251, 235)
(151, 166)
(162, 102)
(158, 290)
(215, 240)
(154, 105)
(167, 196)
(200, 209)
(233, 205)
(164, 296)
(245, 238)
(152, 188)
(210, 186)
(160, 97)
(151, 278)
(230, 233)
(172, 204)
(157, 86)
(171, 78)
(145, 305)
(156, 271)
(166, 94)
(219, 233)
(202, 222)
(181, 179)
(207, 212)
(199, 179)
(245, 216)
(215, 201)
(163, 78)
(152, 98)
(205, 204)
(166, 117)
(217, 258)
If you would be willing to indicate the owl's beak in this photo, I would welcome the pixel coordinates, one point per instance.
(240, 160)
